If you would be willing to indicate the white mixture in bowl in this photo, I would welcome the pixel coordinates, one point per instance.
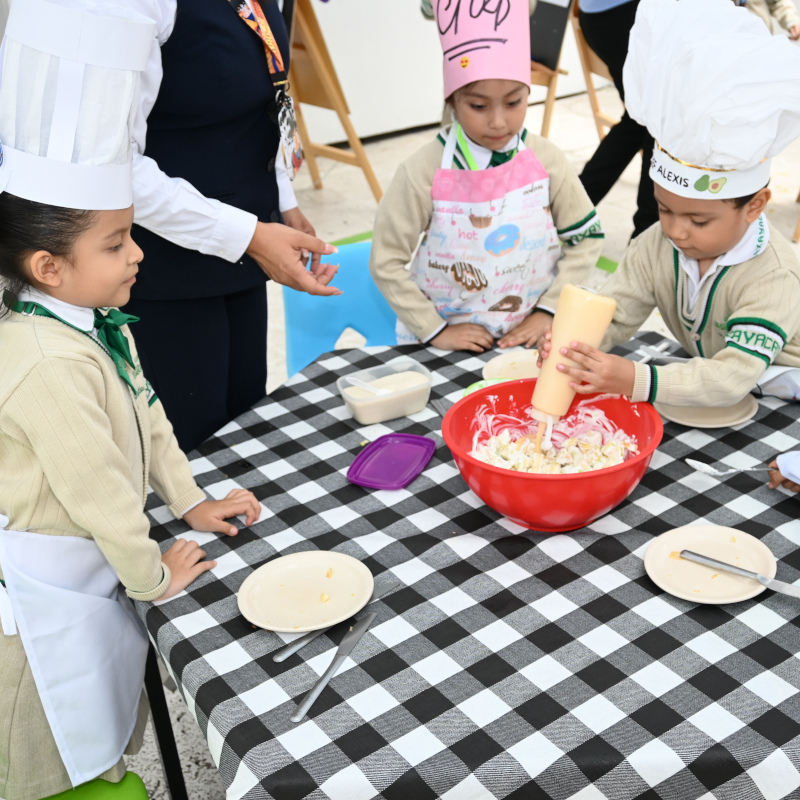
(584, 441)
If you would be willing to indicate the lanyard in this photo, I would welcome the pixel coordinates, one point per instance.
(467, 153)
(254, 18)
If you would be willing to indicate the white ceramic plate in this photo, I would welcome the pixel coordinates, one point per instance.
(289, 594)
(516, 363)
(710, 416)
(691, 581)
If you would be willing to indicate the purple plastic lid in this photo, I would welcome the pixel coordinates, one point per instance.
(391, 461)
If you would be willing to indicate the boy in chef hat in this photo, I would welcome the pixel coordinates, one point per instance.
(81, 434)
(727, 284)
(496, 204)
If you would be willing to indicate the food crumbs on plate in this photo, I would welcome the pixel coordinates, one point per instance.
(675, 554)
(353, 595)
(323, 598)
(715, 576)
(366, 441)
(329, 573)
(351, 627)
(296, 627)
(696, 591)
(733, 538)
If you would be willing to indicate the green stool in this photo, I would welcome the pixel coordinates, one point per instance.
(129, 788)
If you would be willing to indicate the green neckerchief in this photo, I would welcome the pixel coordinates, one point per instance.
(496, 160)
(108, 331)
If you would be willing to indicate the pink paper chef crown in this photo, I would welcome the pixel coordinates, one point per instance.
(484, 40)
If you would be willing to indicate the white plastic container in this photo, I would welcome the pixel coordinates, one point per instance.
(409, 384)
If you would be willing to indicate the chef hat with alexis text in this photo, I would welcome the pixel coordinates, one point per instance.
(68, 90)
(719, 93)
(484, 41)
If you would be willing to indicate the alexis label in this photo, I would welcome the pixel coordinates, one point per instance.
(668, 175)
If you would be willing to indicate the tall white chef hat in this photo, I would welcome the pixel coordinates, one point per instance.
(719, 94)
(69, 81)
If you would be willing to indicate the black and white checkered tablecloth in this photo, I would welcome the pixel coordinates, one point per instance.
(509, 664)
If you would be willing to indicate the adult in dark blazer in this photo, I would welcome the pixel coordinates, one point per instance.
(210, 213)
(606, 26)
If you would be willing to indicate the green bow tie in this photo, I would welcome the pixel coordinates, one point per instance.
(499, 158)
(108, 331)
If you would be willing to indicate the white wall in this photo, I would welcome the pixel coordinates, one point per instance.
(389, 62)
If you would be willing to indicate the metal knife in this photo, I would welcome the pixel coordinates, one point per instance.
(655, 354)
(770, 583)
(293, 647)
(351, 639)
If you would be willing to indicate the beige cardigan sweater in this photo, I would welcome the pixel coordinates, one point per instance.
(77, 452)
(405, 211)
(745, 318)
(784, 11)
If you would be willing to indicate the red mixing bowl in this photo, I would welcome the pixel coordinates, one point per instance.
(550, 503)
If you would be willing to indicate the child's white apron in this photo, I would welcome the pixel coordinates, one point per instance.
(782, 382)
(84, 643)
(491, 249)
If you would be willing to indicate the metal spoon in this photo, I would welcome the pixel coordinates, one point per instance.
(709, 470)
(364, 385)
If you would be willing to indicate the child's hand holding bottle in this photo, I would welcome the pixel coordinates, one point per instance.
(597, 371)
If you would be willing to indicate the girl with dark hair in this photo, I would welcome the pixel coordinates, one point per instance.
(82, 436)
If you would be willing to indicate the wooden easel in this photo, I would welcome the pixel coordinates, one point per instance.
(544, 76)
(592, 64)
(313, 80)
(548, 26)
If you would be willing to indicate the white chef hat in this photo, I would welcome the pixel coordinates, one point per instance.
(719, 94)
(69, 82)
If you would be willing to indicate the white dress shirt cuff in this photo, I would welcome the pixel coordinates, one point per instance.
(232, 233)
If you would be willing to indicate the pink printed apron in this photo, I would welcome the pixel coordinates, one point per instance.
(492, 248)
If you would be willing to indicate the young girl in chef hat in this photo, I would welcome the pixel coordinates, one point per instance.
(726, 282)
(496, 204)
(81, 434)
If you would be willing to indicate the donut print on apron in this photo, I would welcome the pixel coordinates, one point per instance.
(492, 247)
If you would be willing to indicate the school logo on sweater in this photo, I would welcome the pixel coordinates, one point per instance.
(759, 337)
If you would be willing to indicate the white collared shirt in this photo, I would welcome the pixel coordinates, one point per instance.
(172, 207)
(78, 316)
(754, 241)
(483, 155)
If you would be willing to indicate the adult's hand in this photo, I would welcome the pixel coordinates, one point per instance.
(278, 250)
(296, 219)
